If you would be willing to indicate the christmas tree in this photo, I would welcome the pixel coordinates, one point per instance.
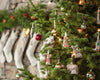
(71, 35)
(73, 52)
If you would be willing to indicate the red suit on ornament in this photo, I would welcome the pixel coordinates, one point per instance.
(48, 59)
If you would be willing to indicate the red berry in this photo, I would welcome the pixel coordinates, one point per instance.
(38, 37)
(33, 18)
(4, 21)
(12, 17)
(25, 15)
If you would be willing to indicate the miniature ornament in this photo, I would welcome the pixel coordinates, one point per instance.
(65, 43)
(83, 26)
(90, 75)
(98, 16)
(97, 43)
(38, 37)
(76, 52)
(72, 68)
(48, 59)
(58, 65)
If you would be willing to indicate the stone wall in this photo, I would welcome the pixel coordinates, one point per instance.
(8, 71)
(12, 5)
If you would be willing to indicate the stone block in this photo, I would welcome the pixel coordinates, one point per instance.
(33, 70)
(10, 64)
(35, 2)
(1, 65)
(15, 1)
(26, 61)
(2, 73)
(25, 0)
(39, 47)
(11, 72)
(21, 5)
(51, 5)
(4, 4)
(12, 6)
(46, 1)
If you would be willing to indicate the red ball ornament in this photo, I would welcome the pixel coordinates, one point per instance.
(25, 15)
(12, 17)
(33, 18)
(38, 37)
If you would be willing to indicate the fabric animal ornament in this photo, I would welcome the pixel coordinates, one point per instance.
(72, 68)
(76, 52)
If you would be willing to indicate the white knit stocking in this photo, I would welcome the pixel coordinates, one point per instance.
(31, 49)
(20, 49)
(9, 45)
(2, 43)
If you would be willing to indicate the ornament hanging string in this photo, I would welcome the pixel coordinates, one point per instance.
(31, 33)
(83, 18)
(98, 35)
(54, 24)
(55, 20)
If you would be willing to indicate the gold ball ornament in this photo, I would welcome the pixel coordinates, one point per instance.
(86, 35)
(80, 30)
(59, 38)
(98, 30)
(81, 2)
